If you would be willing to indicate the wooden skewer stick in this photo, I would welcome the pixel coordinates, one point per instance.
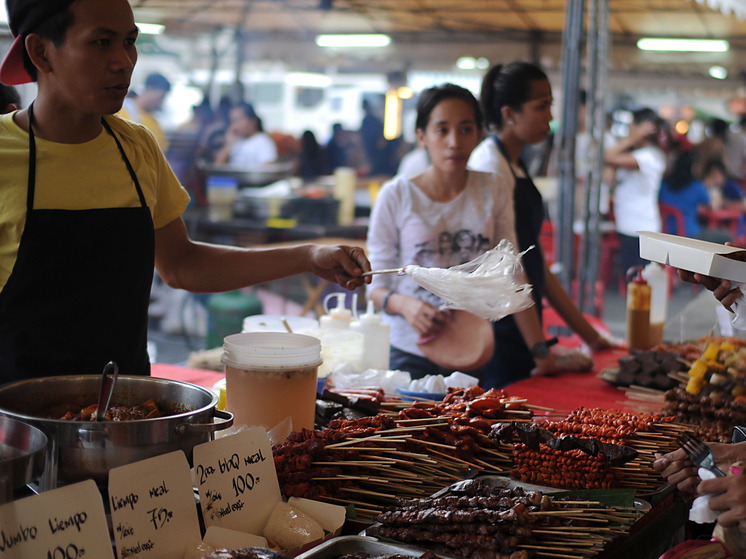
(389, 271)
(413, 428)
(550, 548)
(374, 438)
(518, 412)
(353, 463)
(421, 420)
(366, 492)
(540, 408)
(351, 501)
(431, 443)
(545, 554)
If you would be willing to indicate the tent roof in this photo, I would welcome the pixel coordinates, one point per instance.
(628, 17)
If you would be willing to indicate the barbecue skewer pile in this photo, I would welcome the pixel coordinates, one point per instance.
(574, 469)
(493, 523)
(709, 418)
(372, 461)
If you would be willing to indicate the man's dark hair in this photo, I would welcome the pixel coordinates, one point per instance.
(507, 86)
(52, 28)
(430, 98)
(719, 128)
(9, 95)
(157, 81)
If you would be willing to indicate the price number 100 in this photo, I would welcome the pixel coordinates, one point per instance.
(242, 483)
(70, 552)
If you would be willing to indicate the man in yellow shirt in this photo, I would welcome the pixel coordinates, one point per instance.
(140, 108)
(89, 205)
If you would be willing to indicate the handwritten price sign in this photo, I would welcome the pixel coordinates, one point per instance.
(237, 481)
(67, 523)
(153, 511)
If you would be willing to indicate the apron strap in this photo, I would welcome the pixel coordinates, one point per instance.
(501, 147)
(32, 161)
(126, 162)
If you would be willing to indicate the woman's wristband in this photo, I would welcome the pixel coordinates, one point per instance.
(386, 301)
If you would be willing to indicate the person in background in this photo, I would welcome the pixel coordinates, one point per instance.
(10, 99)
(371, 133)
(89, 205)
(724, 192)
(639, 162)
(722, 144)
(140, 108)
(246, 143)
(312, 161)
(336, 150)
(517, 103)
(214, 135)
(414, 162)
(418, 220)
(682, 191)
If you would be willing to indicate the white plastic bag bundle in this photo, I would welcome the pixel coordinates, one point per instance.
(486, 286)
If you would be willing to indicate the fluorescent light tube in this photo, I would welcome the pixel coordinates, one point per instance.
(683, 45)
(150, 28)
(344, 41)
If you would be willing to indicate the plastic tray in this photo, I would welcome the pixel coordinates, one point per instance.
(336, 547)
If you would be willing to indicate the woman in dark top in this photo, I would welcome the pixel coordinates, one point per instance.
(517, 100)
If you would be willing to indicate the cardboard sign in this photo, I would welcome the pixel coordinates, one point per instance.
(153, 510)
(237, 481)
(66, 523)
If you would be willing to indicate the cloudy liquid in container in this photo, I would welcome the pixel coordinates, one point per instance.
(270, 376)
(261, 397)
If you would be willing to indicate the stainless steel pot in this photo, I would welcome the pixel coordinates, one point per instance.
(22, 451)
(81, 450)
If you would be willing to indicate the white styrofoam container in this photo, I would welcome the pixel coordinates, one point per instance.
(693, 255)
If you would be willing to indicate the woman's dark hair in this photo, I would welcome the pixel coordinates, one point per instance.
(52, 28)
(507, 86)
(681, 173)
(713, 165)
(719, 129)
(430, 98)
(248, 110)
(661, 135)
(311, 156)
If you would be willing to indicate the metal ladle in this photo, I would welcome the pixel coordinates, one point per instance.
(107, 389)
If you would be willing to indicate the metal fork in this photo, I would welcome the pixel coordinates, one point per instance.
(699, 453)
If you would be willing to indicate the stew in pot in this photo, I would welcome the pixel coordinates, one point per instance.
(116, 412)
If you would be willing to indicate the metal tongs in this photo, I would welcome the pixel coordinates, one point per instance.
(699, 453)
(107, 389)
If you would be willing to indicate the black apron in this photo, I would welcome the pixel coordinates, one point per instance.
(512, 360)
(79, 291)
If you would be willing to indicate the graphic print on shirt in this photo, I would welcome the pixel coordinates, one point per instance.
(449, 249)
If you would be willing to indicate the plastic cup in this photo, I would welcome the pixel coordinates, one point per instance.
(270, 376)
(221, 194)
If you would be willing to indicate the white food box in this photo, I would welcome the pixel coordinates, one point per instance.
(693, 255)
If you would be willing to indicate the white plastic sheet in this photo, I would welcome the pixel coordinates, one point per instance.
(486, 286)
